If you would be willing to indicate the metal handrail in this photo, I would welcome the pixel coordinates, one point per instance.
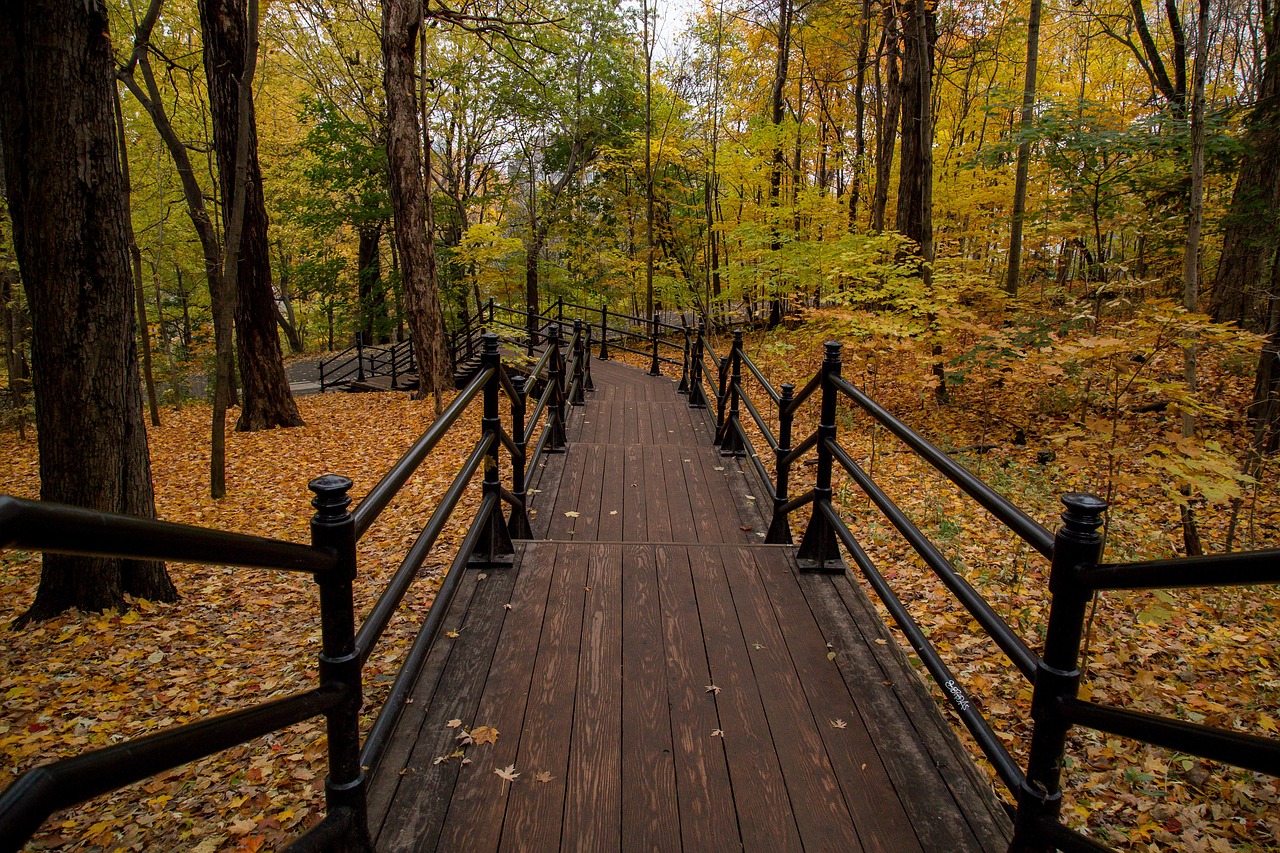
(389, 486)
(63, 529)
(1030, 530)
(1010, 643)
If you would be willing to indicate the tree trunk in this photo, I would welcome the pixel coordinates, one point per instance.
(1024, 151)
(886, 127)
(266, 400)
(66, 195)
(373, 299)
(860, 114)
(915, 178)
(1249, 231)
(777, 109)
(1265, 409)
(401, 21)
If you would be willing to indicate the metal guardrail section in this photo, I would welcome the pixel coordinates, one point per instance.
(332, 559)
(362, 361)
(1075, 573)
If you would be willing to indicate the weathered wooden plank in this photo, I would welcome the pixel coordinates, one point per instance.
(672, 460)
(586, 527)
(635, 510)
(657, 508)
(614, 493)
(650, 812)
(475, 816)
(593, 799)
(385, 778)
(949, 805)
(535, 809)
(766, 817)
(816, 800)
(572, 477)
(868, 790)
(708, 818)
(419, 807)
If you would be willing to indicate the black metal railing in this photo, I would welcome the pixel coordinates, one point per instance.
(361, 362)
(1075, 574)
(333, 561)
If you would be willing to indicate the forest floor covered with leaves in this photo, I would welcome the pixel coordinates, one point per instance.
(1034, 424)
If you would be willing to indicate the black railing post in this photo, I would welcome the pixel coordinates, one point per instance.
(654, 369)
(491, 311)
(722, 398)
(560, 310)
(697, 396)
(818, 551)
(1078, 544)
(604, 333)
(320, 364)
(518, 521)
(334, 528)
(395, 369)
(413, 359)
(557, 440)
(360, 356)
(579, 370)
(588, 383)
(731, 439)
(494, 543)
(683, 387)
(780, 528)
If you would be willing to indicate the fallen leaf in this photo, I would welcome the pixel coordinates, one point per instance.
(572, 514)
(711, 688)
(839, 724)
(453, 724)
(508, 773)
(542, 776)
(484, 734)
(453, 635)
(717, 733)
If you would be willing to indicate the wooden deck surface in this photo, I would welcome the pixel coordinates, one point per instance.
(660, 680)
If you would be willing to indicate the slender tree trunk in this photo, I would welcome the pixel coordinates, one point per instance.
(135, 256)
(66, 196)
(777, 110)
(860, 116)
(401, 21)
(915, 179)
(1265, 409)
(267, 401)
(373, 301)
(1024, 150)
(648, 168)
(1191, 255)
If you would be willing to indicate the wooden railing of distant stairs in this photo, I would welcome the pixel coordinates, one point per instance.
(1076, 571)
(556, 379)
(361, 362)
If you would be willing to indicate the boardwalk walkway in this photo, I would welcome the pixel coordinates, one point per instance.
(660, 680)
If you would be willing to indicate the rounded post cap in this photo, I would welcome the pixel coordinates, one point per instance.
(788, 390)
(833, 350)
(1084, 511)
(737, 336)
(490, 341)
(331, 500)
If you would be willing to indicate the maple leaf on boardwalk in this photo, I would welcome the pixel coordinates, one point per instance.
(717, 732)
(839, 724)
(465, 737)
(508, 773)
(711, 688)
(484, 734)
(542, 776)
(572, 514)
(453, 724)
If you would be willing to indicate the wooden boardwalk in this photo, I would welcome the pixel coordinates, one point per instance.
(660, 680)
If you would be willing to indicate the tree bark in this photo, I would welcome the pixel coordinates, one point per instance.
(373, 299)
(1024, 151)
(777, 109)
(886, 127)
(1249, 232)
(66, 195)
(401, 21)
(915, 178)
(266, 400)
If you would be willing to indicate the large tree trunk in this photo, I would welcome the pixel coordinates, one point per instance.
(267, 401)
(915, 177)
(1265, 409)
(887, 120)
(66, 195)
(1249, 231)
(401, 21)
